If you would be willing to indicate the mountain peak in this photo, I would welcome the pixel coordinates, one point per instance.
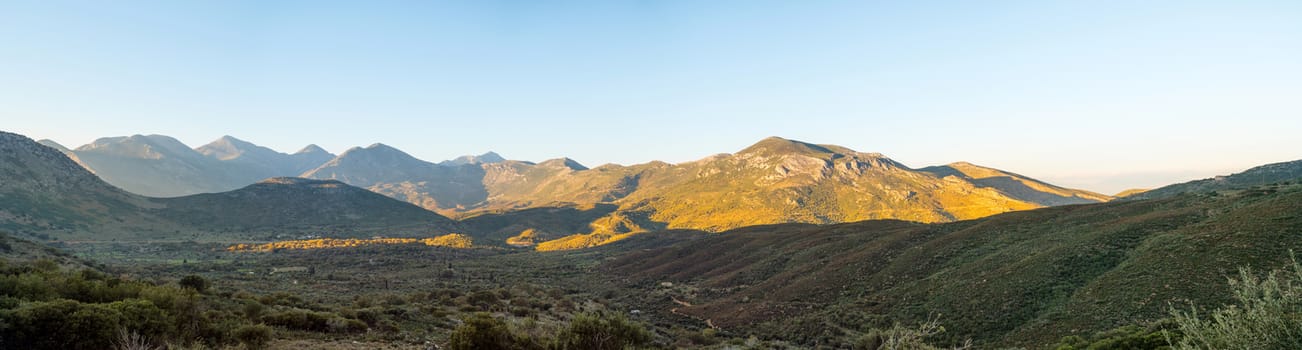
(774, 145)
(491, 157)
(142, 146)
(563, 162)
(486, 158)
(312, 149)
(228, 147)
(55, 145)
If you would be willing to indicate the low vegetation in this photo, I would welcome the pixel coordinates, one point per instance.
(1266, 314)
(449, 240)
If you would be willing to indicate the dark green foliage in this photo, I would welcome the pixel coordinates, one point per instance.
(144, 318)
(195, 282)
(44, 308)
(602, 332)
(253, 337)
(59, 324)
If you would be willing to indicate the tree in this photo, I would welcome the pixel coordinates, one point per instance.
(195, 282)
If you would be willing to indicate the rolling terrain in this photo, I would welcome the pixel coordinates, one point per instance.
(1024, 278)
(1256, 176)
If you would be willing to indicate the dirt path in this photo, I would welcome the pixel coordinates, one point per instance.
(675, 311)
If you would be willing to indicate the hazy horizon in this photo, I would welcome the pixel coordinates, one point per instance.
(1098, 96)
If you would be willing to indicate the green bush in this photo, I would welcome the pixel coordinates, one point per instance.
(253, 337)
(144, 318)
(602, 332)
(484, 332)
(59, 324)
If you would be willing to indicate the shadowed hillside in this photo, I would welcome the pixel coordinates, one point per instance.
(1024, 278)
(45, 192)
(1017, 186)
(295, 203)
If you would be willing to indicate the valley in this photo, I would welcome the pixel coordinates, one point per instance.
(320, 263)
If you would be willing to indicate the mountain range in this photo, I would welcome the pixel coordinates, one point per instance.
(773, 181)
(161, 166)
(1021, 278)
(561, 201)
(45, 193)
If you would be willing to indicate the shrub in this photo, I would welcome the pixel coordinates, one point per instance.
(484, 332)
(253, 337)
(482, 299)
(253, 309)
(900, 337)
(1268, 315)
(144, 318)
(598, 331)
(60, 324)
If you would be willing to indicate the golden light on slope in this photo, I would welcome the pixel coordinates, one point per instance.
(454, 240)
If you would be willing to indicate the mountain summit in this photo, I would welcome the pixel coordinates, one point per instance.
(486, 158)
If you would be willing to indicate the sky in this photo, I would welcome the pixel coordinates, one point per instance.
(1100, 95)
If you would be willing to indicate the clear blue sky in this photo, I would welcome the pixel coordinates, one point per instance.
(1097, 94)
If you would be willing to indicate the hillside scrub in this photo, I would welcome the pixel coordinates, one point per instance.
(899, 337)
(47, 308)
(1267, 314)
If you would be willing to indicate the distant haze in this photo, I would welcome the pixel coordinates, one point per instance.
(1102, 96)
